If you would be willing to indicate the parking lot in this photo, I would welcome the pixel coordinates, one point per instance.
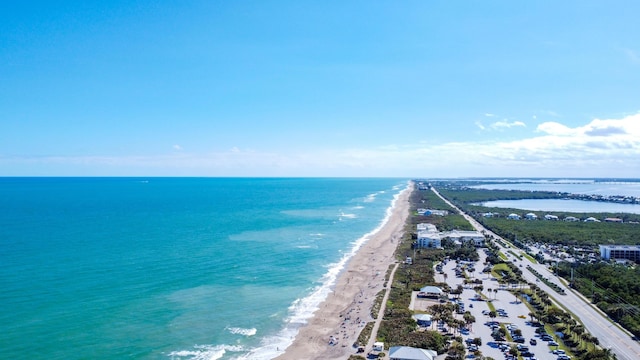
(514, 313)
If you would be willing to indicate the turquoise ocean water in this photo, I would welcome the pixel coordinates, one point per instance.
(173, 268)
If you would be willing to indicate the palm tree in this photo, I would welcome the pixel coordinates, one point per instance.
(495, 293)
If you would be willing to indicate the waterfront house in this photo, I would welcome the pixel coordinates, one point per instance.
(616, 220)
(428, 212)
(513, 217)
(591, 219)
(571, 218)
(531, 216)
(411, 353)
(550, 217)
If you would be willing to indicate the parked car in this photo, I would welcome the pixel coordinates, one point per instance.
(533, 342)
(552, 343)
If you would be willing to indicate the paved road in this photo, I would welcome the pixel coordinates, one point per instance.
(610, 336)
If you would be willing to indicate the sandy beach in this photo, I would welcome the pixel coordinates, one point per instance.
(335, 326)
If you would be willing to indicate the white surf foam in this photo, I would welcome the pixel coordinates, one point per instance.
(204, 352)
(241, 331)
(302, 309)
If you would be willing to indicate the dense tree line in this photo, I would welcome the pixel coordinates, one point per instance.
(562, 232)
(464, 195)
(615, 289)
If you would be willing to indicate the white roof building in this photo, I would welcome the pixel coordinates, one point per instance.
(426, 227)
(410, 353)
(429, 239)
(465, 236)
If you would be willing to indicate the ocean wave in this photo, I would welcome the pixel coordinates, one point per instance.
(204, 352)
(241, 331)
(307, 246)
(347, 216)
(370, 198)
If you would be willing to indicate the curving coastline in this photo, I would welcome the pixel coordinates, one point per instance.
(335, 326)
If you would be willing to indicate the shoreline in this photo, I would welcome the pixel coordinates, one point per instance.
(334, 327)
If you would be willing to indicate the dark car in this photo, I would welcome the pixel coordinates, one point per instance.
(533, 342)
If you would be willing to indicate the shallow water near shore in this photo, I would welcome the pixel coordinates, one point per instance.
(179, 268)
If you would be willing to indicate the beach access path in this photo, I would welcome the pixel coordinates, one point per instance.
(336, 325)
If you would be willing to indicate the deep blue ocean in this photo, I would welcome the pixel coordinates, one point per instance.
(173, 268)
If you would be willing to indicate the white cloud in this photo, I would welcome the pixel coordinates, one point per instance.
(177, 147)
(600, 148)
(489, 115)
(479, 124)
(505, 124)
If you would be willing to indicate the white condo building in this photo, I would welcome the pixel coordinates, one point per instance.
(620, 252)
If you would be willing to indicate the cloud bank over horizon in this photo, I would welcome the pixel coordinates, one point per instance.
(599, 148)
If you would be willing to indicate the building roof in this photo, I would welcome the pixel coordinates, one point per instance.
(410, 353)
(422, 317)
(431, 290)
(621, 247)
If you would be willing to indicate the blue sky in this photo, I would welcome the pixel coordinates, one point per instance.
(325, 88)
